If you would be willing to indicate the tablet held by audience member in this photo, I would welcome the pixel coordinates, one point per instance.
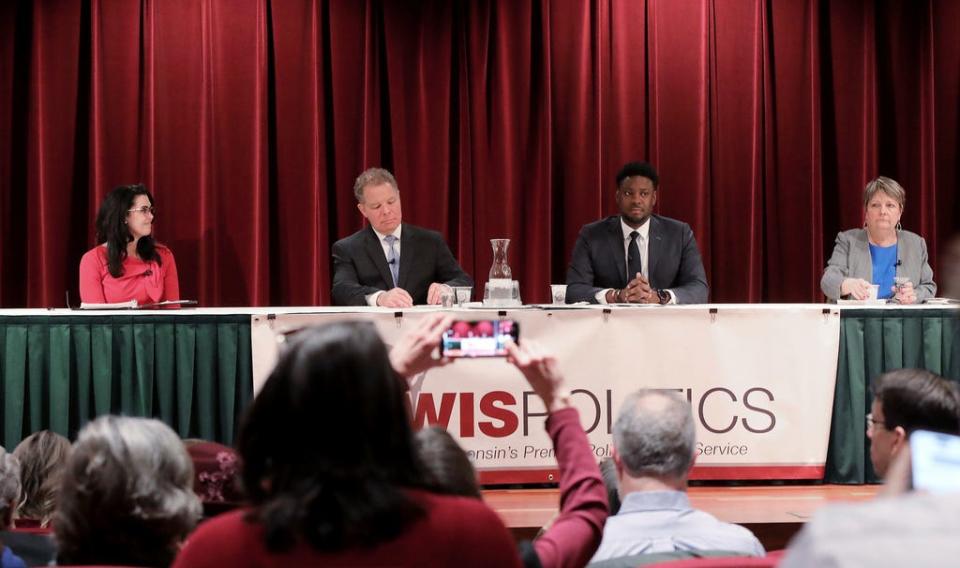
(881, 253)
(127, 496)
(128, 264)
(332, 475)
(43, 456)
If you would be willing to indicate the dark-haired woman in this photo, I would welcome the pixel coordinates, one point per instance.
(128, 264)
(333, 475)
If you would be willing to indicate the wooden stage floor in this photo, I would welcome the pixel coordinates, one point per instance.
(773, 512)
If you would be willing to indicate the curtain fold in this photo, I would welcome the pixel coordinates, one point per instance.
(250, 119)
(194, 373)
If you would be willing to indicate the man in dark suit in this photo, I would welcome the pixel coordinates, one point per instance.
(390, 263)
(636, 257)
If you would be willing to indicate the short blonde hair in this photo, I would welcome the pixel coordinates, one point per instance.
(371, 177)
(889, 186)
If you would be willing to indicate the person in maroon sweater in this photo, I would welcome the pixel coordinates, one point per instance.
(575, 533)
(355, 493)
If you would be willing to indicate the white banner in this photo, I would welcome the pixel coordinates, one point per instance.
(760, 380)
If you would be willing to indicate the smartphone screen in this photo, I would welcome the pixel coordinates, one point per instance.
(484, 338)
(935, 461)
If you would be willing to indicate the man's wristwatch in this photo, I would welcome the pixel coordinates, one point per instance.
(663, 296)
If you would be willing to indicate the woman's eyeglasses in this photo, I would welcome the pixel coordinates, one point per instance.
(144, 210)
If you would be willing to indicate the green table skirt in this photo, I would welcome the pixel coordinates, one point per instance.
(193, 372)
(873, 342)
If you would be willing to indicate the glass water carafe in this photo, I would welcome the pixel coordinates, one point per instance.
(501, 289)
(500, 270)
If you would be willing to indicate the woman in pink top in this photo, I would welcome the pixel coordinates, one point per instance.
(128, 264)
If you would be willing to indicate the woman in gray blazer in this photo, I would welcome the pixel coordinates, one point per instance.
(880, 253)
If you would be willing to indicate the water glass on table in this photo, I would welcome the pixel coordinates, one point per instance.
(447, 297)
(558, 293)
(463, 294)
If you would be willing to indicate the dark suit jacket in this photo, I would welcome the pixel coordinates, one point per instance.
(360, 266)
(598, 261)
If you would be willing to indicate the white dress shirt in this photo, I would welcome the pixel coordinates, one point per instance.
(643, 245)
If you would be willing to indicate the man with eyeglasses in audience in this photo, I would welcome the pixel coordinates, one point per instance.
(906, 400)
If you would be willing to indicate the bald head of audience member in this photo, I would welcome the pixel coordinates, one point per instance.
(655, 440)
(906, 400)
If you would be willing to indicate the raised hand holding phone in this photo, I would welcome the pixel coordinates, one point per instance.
(481, 338)
(413, 353)
(541, 371)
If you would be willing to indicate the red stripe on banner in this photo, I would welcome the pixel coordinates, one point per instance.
(701, 473)
(721, 473)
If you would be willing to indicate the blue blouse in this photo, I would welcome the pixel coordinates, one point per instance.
(884, 261)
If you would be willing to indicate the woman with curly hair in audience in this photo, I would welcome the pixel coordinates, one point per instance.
(332, 474)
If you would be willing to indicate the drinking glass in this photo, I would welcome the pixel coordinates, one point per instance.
(558, 293)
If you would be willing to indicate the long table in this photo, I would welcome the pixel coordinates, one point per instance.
(195, 369)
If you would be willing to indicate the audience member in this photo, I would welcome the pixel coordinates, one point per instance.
(9, 495)
(449, 468)
(906, 400)
(357, 493)
(900, 528)
(655, 442)
(127, 496)
(574, 534)
(43, 456)
(216, 479)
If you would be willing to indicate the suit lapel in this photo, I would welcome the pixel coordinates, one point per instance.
(379, 259)
(408, 247)
(861, 254)
(654, 249)
(616, 245)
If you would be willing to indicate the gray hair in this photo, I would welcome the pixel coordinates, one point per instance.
(372, 176)
(43, 457)
(9, 485)
(127, 495)
(655, 434)
(888, 186)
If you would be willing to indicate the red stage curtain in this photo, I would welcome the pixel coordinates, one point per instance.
(249, 119)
